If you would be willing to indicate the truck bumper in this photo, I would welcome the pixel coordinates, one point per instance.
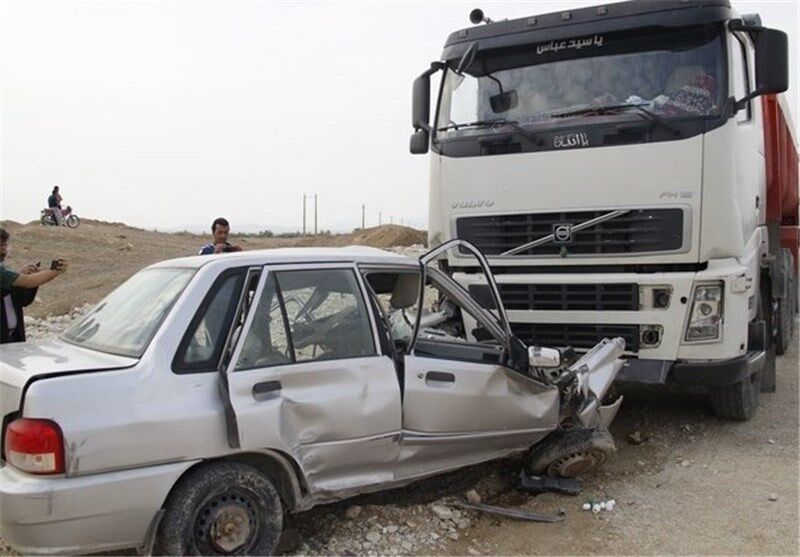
(87, 514)
(712, 374)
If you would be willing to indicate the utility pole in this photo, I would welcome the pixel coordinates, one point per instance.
(315, 214)
(304, 214)
(363, 216)
(380, 218)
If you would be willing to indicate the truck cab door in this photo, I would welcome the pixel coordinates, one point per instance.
(465, 401)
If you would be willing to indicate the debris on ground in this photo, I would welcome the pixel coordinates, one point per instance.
(773, 497)
(637, 438)
(473, 497)
(549, 484)
(511, 513)
(599, 505)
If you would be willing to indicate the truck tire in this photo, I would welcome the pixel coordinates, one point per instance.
(785, 309)
(571, 452)
(221, 508)
(738, 401)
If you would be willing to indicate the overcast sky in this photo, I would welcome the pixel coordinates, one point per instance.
(168, 114)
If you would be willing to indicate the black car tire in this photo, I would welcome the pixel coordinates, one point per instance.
(223, 508)
(552, 455)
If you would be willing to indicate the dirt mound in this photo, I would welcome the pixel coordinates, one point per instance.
(102, 255)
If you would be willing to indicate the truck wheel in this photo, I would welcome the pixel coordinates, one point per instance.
(738, 401)
(222, 508)
(571, 452)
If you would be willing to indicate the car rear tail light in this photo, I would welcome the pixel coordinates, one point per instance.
(35, 446)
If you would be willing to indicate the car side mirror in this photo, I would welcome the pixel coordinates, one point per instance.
(419, 142)
(543, 357)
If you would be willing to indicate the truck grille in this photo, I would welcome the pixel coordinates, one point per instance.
(638, 231)
(562, 297)
(577, 336)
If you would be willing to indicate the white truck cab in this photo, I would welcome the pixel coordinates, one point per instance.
(617, 166)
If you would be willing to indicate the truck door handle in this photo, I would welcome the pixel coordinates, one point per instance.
(266, 390)
(436, 378)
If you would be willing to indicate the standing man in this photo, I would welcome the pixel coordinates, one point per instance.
(220, 229)
(18, 290)
(54, 204)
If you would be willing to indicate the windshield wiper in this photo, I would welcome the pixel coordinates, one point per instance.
(590, 109)
(649, 114)
(500, 121)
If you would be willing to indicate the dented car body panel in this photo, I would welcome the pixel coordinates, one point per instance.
(325, 366)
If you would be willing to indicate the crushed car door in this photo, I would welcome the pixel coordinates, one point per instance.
(307, 378)
(463, 401)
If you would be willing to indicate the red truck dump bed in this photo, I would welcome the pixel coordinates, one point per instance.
(780, 150)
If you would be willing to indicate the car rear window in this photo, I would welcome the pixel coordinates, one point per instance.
(125, 321)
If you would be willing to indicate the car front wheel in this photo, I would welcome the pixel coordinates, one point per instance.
(221, 508)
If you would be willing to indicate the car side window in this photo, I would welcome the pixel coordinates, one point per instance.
(326, 314)
(266, 343)
(202, 345)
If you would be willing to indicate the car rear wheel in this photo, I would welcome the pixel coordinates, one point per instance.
(221, 509)
(571, 452)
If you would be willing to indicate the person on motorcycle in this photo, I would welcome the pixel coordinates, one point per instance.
(54, 204)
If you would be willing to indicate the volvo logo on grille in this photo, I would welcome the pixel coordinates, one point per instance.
(562, 233)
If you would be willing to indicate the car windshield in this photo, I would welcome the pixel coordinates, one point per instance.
(125, 321)
(674, 74)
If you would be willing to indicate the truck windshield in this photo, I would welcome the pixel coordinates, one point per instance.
(674, 74)
(124, 322)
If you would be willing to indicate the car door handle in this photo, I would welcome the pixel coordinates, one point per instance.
(436, 378)
(266, 390)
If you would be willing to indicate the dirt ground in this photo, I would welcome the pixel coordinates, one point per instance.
(102, 255)
(700, 485)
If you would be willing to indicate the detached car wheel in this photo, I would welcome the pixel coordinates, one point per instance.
(221, 509)
(571, 453)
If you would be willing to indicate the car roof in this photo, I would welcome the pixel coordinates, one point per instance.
(279, 256)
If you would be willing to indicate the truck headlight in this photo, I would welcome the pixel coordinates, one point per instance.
(705, 317)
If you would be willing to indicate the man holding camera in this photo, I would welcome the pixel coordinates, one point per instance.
(220, 229)
(18, 289)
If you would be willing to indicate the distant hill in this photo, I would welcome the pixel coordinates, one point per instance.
(102, 255)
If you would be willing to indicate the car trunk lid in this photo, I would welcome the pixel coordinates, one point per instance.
(20, 363)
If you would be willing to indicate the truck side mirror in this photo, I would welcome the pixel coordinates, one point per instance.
(421, 102)
(421, 110)
(772, 62)
(772, 58)
(419, 142)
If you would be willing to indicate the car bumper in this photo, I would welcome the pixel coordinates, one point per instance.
(711, 374)
(88, 514)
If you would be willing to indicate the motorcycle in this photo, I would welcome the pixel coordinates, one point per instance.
(48, 217)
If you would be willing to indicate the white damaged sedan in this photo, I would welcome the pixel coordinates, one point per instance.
(206, 397)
